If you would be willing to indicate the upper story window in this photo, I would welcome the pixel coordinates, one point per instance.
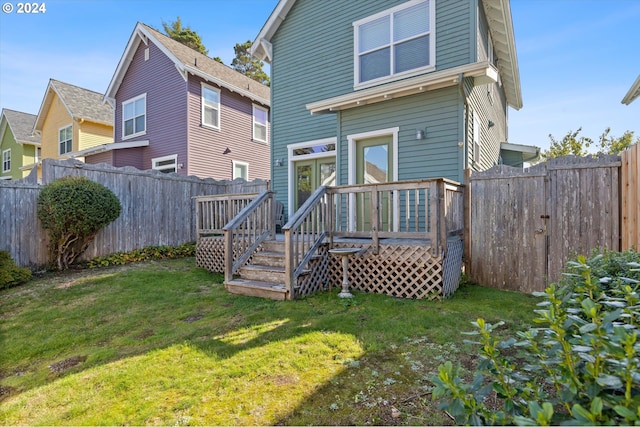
(395, 43)
(260, 130)
(65, 140)
(134, 116)
(210, 107)
(6, 160)
(166, 164)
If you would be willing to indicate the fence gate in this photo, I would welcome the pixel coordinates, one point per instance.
(525, 225)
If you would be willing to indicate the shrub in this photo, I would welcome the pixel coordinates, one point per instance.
(580, 365)
(73, 210)
(10, 274)
(145, 254)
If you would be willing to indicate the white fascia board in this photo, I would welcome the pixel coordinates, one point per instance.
(124, 62)
(259, 49)
(222, 83)
(106, 147)
(418, 84)
(634, 92)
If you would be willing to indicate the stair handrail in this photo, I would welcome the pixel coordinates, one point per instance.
(301, 243)
(255, 223)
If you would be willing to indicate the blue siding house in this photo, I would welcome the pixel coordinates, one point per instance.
(369, 91)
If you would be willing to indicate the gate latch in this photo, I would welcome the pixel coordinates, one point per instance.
(545, 216)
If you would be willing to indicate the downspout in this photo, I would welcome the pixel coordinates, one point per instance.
(465, 160)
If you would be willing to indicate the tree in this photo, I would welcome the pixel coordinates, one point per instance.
(577, 145)
(185, 35)
(73, 209)
(248, 65)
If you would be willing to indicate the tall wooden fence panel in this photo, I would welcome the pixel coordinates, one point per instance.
(508, 241)
(630, 194)
(20, 231)
(525, 225)
(157, 209)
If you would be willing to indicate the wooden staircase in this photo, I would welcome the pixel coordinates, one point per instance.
(265, 276)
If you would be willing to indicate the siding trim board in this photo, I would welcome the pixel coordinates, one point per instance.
(482, 71)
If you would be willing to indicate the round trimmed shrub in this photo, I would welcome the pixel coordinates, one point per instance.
(73, 209)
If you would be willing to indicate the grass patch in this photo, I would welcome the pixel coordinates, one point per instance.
(163, 343)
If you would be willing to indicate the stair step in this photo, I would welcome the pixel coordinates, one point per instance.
(273, 246)
(257, 288)
(272, 259)
(264, 273)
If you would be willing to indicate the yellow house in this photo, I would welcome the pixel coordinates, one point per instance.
(72, 119)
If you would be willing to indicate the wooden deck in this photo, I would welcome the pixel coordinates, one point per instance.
(410, 244)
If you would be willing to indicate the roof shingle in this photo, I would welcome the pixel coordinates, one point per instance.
(21, 125)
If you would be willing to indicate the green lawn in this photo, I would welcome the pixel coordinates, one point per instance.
(162, 343)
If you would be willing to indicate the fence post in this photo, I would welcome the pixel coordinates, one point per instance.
(466, 206)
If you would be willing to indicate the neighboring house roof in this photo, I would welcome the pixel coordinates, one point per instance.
(106, 147)
(633, 93)
(21, 125)
(188, 61)
(529, 153)
(81, 104)
(498, 14)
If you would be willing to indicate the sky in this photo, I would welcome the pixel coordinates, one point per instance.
(577, 58)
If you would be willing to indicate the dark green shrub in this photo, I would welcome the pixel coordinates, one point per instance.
(579, 365)
(10, 273)
(73, 210)
(145, 254)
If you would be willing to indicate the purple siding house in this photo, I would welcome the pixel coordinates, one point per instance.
(177, 110)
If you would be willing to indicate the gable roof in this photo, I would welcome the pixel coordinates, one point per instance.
(80, 103)
(187, 61)
(634, 92)
(21, 125)
(498, 14)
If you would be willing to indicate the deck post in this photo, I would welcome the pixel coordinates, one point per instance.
(374, 220)
(288, 263)
(228, 256)
(442, 217)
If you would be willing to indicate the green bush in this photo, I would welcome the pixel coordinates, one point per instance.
(73, 210)
(10, 274)
(145, 254)
(579, 365)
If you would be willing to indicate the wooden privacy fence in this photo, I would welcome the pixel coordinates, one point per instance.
(525, 225)
(630, 195)
(157, 209)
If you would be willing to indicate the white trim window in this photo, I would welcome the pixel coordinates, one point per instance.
(134, 117)
(240, 170)
(65, 140)
(6, 160)
(260, 124)
(477, 147)
(210, 106)
(398, 42)
(166, 164)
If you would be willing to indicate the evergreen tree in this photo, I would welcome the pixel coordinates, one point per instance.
(186, 36)
(248, 65)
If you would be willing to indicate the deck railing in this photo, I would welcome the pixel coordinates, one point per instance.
(247, 230)
(214, 212)
(304, 232)
(424, 209)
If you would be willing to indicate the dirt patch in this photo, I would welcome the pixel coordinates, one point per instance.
(66, 364)
(144, 334)
(193, 318)
(6, 391)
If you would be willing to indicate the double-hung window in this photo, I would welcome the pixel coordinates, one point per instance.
(65, 140)
(210, 107)
(6, 160)
(396, 43)
(134, 116)
(260, 131)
